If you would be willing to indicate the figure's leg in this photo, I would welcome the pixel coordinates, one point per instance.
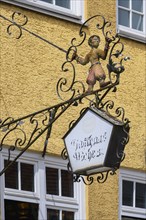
(100, 76)
(90, 88)
(102, 83)
(91, 80)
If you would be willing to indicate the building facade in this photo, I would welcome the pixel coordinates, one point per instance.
(37, 187)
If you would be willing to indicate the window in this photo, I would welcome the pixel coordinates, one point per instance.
(131, 19)
(20, 176)
(37, 189)
(66, 9)
(132, 195)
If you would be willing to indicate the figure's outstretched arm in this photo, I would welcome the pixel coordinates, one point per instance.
(103, 54)
(81, 60)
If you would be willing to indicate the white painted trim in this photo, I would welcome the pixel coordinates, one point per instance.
(129, 32)
(76, 204)
(135, 176)
(75, 14)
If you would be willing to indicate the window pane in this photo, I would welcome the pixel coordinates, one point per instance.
(137, 5)
(127, 193)
(141, 195)
(67, 215)
(123, 3)
(67, 183)
(48, 1)
(137, 21)
(11, 176)
(52, 181)
(63, 3)
(130, 218)
(123, 18)
(20, 210)
(27, 177)
(52, 214)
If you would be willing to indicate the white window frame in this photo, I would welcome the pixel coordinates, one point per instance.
(128, 32)
(39, 196)
(75, 14)
(137, 177)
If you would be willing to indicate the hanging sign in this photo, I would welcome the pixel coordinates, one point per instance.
(94, 142)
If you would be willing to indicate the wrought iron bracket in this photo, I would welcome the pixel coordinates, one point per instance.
(42, 121)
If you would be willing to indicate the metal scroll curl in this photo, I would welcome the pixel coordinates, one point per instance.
(119, 114)
(88, 180)
(11, 127)
(115, 64)
(100, 177)
(20, 134)
(18, 21)
(65, 85)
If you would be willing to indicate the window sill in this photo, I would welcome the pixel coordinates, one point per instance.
(20, 193)
(131, 34)
(48, 11)
(61, 201)
(133, 212)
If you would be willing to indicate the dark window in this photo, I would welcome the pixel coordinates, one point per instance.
(52, 214)
(137, 21)
(52, 181)
(137, 5)
(27, 177)
(67, 215)
(11, 176)
(48, 1)
(131, 218)
(63, 3)
(124, 17)
(131, 15)
(124, 3)
(20, 210)
(67, 183)
(127, 195)
(141, 195)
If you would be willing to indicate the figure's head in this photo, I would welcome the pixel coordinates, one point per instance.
(94, 41)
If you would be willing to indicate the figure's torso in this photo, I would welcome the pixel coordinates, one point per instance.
(94, 55)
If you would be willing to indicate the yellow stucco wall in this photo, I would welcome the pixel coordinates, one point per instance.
(30, 69)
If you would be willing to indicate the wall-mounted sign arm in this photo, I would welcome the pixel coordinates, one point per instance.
(23, 132)
(21, 138)
(89, 149)
(14, 22)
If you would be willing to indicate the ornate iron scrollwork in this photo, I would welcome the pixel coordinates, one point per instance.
(107, 107)
(114, 66)
(42, 121)
(17, 23)
(27, 130)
